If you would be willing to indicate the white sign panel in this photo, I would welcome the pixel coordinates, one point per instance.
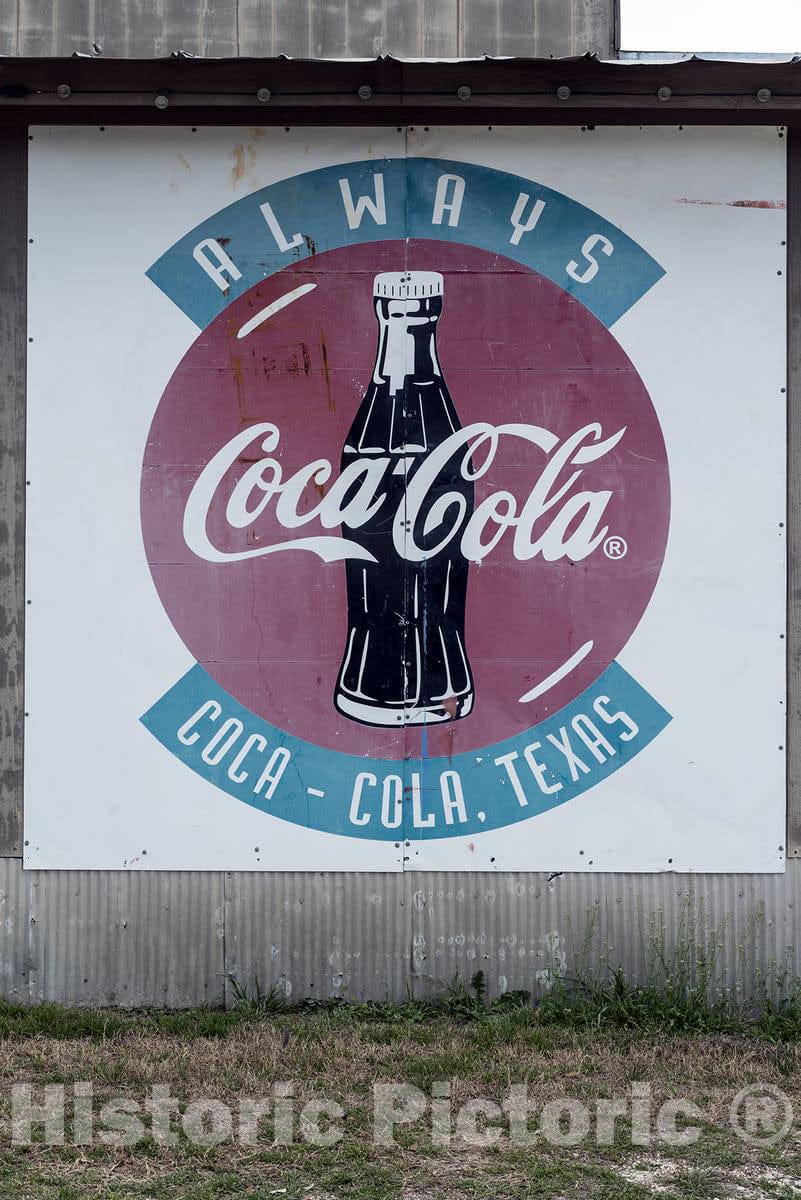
(406, 499)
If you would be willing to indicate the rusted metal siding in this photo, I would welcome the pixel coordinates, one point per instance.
(307, 28)
(16, 931)
(518, 927)
(170, 938)
(125, 29)
(81, 937)
(320, 934)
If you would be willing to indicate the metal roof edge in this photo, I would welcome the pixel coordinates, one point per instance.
(576, 89)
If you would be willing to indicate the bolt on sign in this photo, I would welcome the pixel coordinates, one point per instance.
(406, 499)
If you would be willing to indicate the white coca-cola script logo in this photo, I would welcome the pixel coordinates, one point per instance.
(558, 519)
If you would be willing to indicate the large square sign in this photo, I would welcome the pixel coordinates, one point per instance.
(406, 499)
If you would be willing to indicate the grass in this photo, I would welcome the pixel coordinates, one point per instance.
(616, 1006)
(600, 1001)
(570, 1046)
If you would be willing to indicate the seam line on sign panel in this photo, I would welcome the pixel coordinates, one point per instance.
(405, 734)
(558, 674)
(276, 306)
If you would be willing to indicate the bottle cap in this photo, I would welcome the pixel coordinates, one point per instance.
(408, 285)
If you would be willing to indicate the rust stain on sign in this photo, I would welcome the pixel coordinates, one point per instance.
(326, 375)
(244, 161)
(773, 204)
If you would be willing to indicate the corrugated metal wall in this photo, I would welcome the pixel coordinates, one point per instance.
(131, 939)
(307, 28)
(172, 938)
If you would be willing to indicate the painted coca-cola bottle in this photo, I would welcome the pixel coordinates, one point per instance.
(405, 660)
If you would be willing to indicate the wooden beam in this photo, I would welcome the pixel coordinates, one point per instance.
(793, 530)
(13, 292)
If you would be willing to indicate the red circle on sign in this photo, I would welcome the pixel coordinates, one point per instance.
(514, 348)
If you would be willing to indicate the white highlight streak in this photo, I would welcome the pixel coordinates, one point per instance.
(275, 307)
(558, 674)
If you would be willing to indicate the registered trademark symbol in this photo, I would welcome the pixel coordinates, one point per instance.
(616, 547)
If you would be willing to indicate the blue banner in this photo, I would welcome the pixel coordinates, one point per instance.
(413, 198)
(396, 799)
